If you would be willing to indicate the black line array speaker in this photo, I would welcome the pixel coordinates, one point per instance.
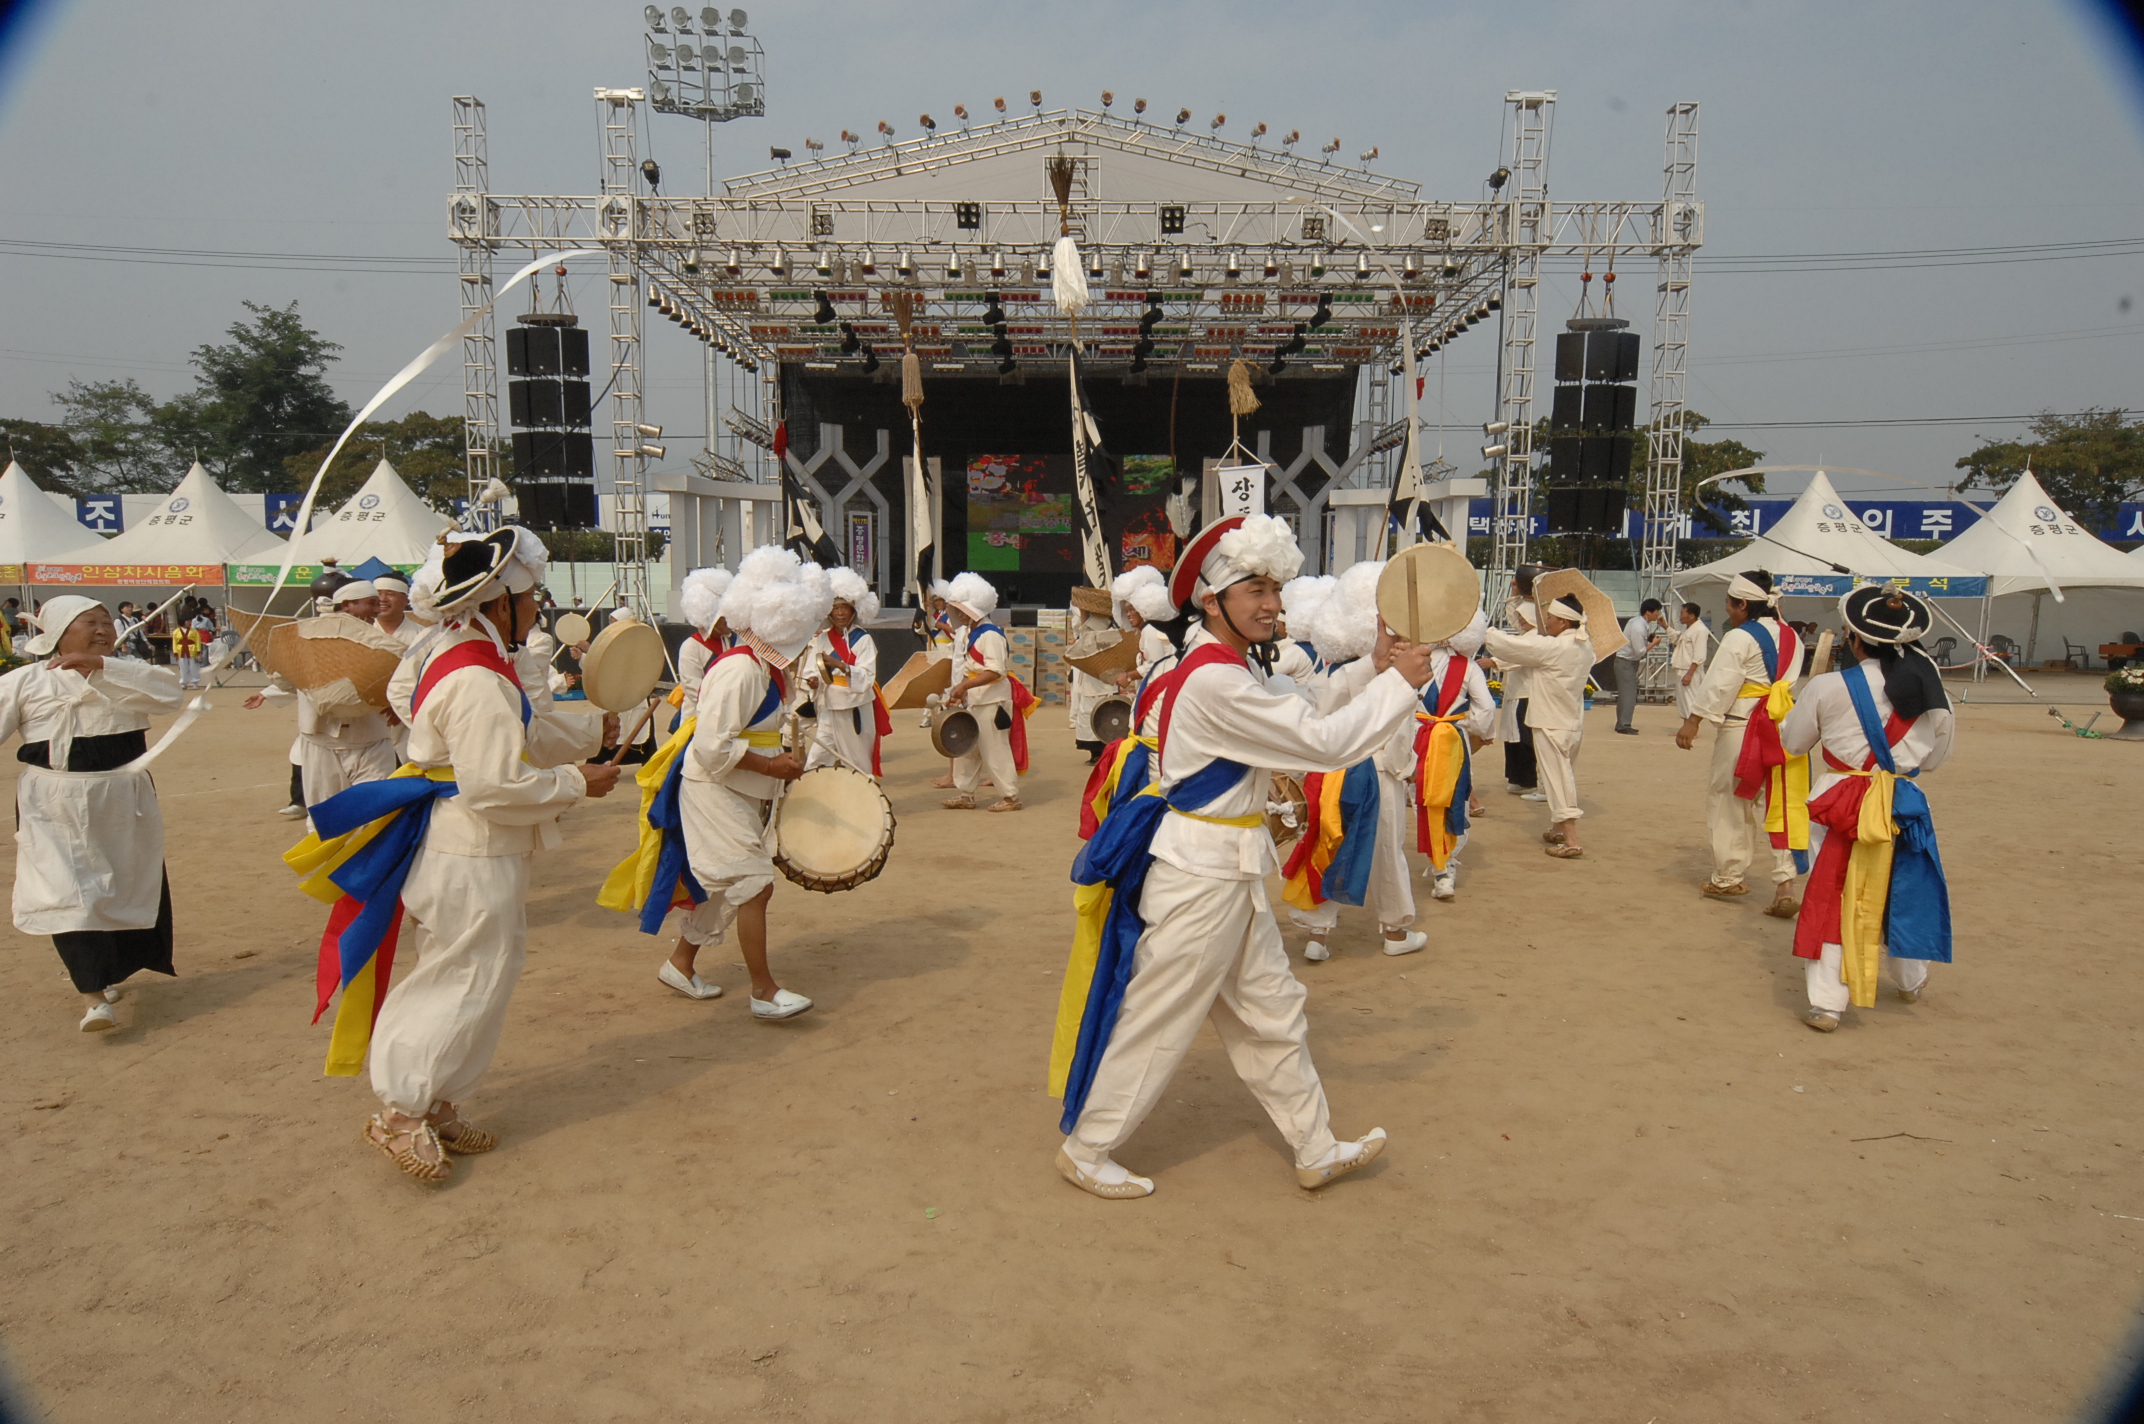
(553, 474)
(1593, 416)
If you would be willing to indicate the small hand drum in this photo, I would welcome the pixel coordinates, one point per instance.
(1287, 810)
(1112, 718)
(1428, 592)
(623, 665)
(954, 732)
(571, 630)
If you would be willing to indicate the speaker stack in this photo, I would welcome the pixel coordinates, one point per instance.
(554, 476)
(1592, 426)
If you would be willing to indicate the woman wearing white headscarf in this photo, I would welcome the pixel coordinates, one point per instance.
(89, 861)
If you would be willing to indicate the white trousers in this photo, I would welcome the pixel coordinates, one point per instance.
(730, 847)
(839, 743)
(1827, 984)
(992, 756)
(1683, 693)
(1211, 950)
(1390, 893)
(1736, 826)
(467, 929)
(329, 767)
(1556, 757)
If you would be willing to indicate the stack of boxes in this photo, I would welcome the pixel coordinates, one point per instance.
(1038, 655)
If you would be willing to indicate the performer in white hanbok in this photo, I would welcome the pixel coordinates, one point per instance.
(393, 619)
(333, 754)
(1092, 631)
(89, 835)
(1456, 721)
(1175, 927)
(1556, 661)
(843, 664)
(984, 684)
(1756, 805)
(1297, 657)
(736, 764)
(1140, 597)
(702, 593)
(1345, 630)
(1693, 645)
(507, 774)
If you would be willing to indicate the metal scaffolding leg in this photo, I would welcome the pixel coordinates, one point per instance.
(480, 371)
(1677, 239)
(1526, 231)
(621, 189)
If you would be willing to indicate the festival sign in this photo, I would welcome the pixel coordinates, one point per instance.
(11, 573)
(1836, 585)
(263, 575)
(125, 575)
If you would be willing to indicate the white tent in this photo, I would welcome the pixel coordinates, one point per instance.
(383, 520)
(196, 524)
(31, 524)
(1819, 534)
(2026, 538)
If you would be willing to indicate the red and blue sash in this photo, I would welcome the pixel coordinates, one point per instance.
(881, 719)
(1023, 701)
(1763, 769)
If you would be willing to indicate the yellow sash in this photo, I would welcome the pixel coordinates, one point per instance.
(1326, 831)
(632, 879)
(1786, 791)
(315, 859)
(1437, 780)
(1868, 889)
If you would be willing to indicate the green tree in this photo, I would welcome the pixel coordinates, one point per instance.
(48, 452)
(121, 442)
(425, 449)
(2090, 463)
(260, 399)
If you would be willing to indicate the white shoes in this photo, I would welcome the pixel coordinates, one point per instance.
(692, 988)
(1415, 940)
(1316, 952)
(1345, 1157)
(111, 995)
(1533, 796)
(785, 1006)
(99, 1019)
(1444, 885)
(1514, 789)
(292, 812)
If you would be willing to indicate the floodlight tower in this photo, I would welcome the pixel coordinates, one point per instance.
(713, 70)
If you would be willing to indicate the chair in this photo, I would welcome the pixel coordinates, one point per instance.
(1944, 648)
(2075, 656)
(2005, 648)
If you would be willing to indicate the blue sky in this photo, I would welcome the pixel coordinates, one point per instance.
(1827, 127)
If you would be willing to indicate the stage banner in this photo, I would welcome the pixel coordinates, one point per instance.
(1136, 518)
(1837, 585)
(1243, 489)
(126, 575)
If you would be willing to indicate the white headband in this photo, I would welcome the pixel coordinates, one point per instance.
(1748, 590)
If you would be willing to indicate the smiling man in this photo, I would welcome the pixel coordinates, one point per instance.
(1184, 931)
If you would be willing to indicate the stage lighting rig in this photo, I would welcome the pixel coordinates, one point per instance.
(714, 82)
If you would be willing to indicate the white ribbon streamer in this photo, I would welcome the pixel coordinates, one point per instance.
(194, 708)
(402, 378)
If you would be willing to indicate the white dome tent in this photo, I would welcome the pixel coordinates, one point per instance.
(197, 526)
(32, 525)
(2025, 540)
(1816, 537)
(384, 520)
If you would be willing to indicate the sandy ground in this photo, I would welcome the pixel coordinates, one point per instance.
(1625, 1183)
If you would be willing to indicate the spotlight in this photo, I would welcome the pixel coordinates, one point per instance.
(824, 316)
(1362, 266)
(1481, 313)
(1095, 268)
(652, 452)
(953, 269)
(779, 155)
(778, 265)
(886, 129)
(1183, 116)
(1184, 269)
(825, 266)
(993, 313)
(1272, 269)
(1235, 266)
(850, 139)
(654, 16)
(1495, 452)
(1218, 120)
(735, 265)
(851, 343)
(930, 125)
(905, 264)
(1138, 106)
(1324, 313)
(960, 112)
(1034, 96)
(997, 265)
(869, 264)
(1259, 132)
(1495, 427)
(651, 171)
(1142, 266)
(1295, 136)
(1000, 102)
(1333, 147)
(1498, 179)
(968, 217)
(1108, 98)
(1495, 304)
(1410, 268)
(1370, 156)
(814, 146)
(655, 297)
(870, 360)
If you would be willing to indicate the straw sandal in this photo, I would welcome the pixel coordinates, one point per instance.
(380, 1135)
(959, 803)
(1785, 909)
(1009, 803)
(1565, 852)
(458, 1136)
(1553, 837)
(1722, 892)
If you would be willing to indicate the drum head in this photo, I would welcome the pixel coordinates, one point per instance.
(622, 666)
(1287, 828)
(571, 630)
(1112, 719)
(1428, 592)
(834, 822)
(953, 732)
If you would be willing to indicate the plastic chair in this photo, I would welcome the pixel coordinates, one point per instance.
(2075, 657)
(1943, 650)
(2005, 648)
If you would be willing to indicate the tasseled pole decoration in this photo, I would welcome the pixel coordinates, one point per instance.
(1068, 285)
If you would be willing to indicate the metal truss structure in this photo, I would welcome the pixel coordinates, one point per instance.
(751, 269)
(480, 361)
(1671, 349)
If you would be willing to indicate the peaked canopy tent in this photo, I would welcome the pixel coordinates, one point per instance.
(32, 525)
(384, 520)
(2025, 541)
(191, 537)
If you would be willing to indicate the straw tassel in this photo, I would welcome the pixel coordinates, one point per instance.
(1241, 400)
(912, 382)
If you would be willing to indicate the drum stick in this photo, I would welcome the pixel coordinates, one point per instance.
(646, 716)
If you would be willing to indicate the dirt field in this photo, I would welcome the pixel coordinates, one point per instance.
(1624, 1182)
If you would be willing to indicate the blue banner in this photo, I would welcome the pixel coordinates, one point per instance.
(1836, 585)
(1886, 518)
(101, 513)
(281, 511)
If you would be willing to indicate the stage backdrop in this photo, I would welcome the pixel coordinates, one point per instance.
(1007, 456)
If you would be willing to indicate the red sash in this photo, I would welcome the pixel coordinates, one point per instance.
(477, 652)
(1839, 812)
(881, 720)
(1023, 702)
(1170, 683)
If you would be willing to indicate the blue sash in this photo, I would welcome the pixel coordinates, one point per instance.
(1916, 917)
